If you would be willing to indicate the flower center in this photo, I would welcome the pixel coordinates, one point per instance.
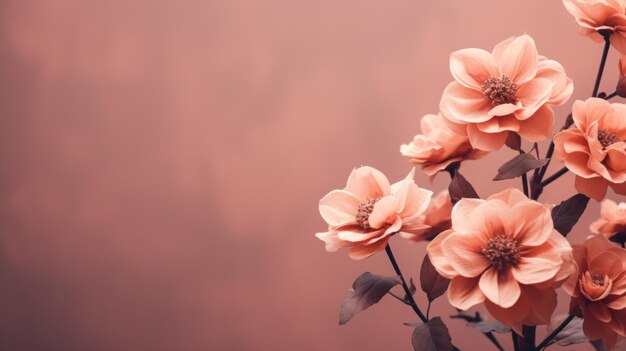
(499, 90)
(607, 138)
(363, 213)
(597, 280)
(502, 251)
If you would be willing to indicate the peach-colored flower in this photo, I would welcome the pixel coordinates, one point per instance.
(598, 15)
(365, 214)
(438, 146)
(599, 290)
(595, 149)
(612, 221)
(510, 89)
(504, 252)
(436, 218)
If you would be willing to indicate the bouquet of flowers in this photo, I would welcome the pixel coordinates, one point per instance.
(507, 251)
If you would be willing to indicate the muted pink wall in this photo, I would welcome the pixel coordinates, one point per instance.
(161, 162)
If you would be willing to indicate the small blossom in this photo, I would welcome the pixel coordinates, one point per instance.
(438, 146)
(595, 149)
(504, 252)
(436, 218)
(599, 289)
(594, 16)
(365, 214)
(612, 221)
(510, 89)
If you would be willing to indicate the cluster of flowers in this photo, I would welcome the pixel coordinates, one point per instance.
(504, 251)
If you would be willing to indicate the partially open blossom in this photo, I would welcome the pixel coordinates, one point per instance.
(510, 89)
(365, 214)
(436, 218)
(612, 221)
(595, 149)
(504, 252)
(599, 290)
(438, 146)
(600, 15)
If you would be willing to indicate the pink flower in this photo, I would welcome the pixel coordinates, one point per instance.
(504, 252)
(436, 218)
(510, 89)
(599, 290)
(612, 221)
(438, 146)
(365, 214)
(598, 15)
(595, 149)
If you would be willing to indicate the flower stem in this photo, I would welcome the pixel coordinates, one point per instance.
(515, 340)
(555, 176)
(404, 285)
(605, 52)
(527, 342)
(555, 332)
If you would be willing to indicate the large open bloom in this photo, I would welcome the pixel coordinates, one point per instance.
(599, 15)
(595, 149)
(365, 214)
(510, 89)
(438, 146)
(504, 252)
(599, 290)
(436, 218)
(612, 221)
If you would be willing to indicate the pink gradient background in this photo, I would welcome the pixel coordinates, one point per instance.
(162, 162)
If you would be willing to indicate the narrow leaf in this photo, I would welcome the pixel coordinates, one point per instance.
(460, 188)
(487, 327)
(368, 289)
(514, 141)
(567, 213)
(571, 334)
(520, 164)
(432, 336)
(433, 284)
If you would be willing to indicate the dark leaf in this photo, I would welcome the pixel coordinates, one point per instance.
(460, 188)
(520, 164)
(486, 327)
(514, 141)
(567, 213)
(412, 289)
(433, 284)
(432, 336)
(476, 321)
(571, 334)
(368, 289)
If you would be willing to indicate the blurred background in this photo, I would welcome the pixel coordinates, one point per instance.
(162, 162)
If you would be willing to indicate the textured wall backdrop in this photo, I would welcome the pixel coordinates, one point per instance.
(161, 162)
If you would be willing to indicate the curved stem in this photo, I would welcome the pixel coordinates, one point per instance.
(554, 333)
(605, 52)
(515, 340)
(555, 176)
(404, 285)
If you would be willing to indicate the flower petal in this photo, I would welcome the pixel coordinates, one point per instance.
(368, 183)
(472, 67)
(594, 188)
(519, 60)
(464, 253)
(501, 288)
(464, 293)
(339, 207)
(538, 126)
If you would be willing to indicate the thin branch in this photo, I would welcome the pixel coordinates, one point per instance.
(555, 332)
(605, 52)
(404, 285)
(554, 177)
